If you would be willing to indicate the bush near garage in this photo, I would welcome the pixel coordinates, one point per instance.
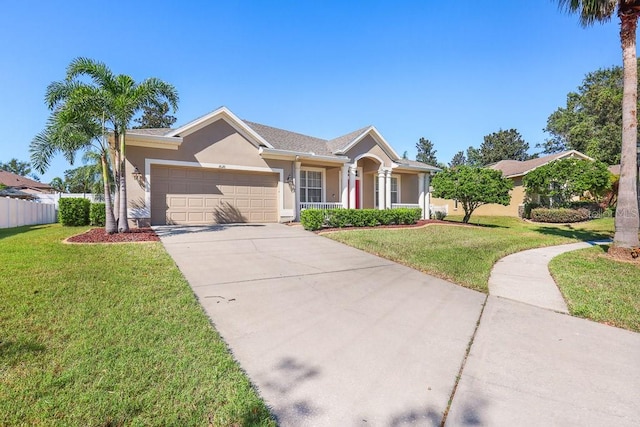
(97, 214)
(562, 215)
(73, 211)
(315, 219)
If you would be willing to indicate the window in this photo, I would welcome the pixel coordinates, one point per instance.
(394, 190)
(310, 186)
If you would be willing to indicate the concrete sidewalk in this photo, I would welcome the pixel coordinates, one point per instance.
(524, 276)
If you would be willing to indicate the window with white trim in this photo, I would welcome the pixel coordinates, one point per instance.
(394, 190)
(310, 186)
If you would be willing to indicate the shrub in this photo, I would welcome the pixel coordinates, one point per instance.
(73, 211)
(312, 219)
(315, 219)
(97, 214)
(439, 215)
(561, 215)
(338, 218)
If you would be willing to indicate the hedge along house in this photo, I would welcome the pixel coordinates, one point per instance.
(514, 170)
(221, 169)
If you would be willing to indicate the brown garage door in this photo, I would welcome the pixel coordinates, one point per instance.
(194, 196)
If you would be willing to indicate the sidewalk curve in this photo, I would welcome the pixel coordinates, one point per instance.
(524, 276)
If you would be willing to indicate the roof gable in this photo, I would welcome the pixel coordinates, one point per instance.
(225, 114)
(351, 140)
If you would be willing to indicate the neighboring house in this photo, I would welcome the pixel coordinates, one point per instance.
(22, 187)
(219, 168)
(514, 170)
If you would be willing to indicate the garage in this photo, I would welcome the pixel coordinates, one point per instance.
(197, 196)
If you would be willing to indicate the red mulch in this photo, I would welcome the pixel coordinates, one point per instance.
(98, 235)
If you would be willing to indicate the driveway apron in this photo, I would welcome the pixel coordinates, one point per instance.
(329, 335)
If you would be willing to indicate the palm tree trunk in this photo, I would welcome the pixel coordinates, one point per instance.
(627, 221)
(110, 220)
(123, 220)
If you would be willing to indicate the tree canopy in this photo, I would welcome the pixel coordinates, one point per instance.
(155, 115)
(458, 159)
(472, 187)
(500, 145)
(591, 120)
(426, 153)
(563, 179)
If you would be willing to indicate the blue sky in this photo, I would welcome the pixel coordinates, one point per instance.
(444, 70)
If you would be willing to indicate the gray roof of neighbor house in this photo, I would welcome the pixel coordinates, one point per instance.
(513, 168)
(10, 179)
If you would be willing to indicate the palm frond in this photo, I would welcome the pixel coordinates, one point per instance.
(590, 11)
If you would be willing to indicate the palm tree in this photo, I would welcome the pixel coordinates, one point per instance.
(115, 99)
(627, 221)
(68, 133)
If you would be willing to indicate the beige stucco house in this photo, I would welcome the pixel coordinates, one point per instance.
(219, 168)
(514, 170)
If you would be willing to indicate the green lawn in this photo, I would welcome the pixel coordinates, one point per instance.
(465, 255)
(105, 335)
(598, 288)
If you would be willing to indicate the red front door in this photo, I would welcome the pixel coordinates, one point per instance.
(357, 194)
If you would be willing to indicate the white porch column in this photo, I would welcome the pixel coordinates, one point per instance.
(421, 198)
(381, 188)
(353, 169)
(427, 194)
(387, 188)
(344, 194)
(296, 184)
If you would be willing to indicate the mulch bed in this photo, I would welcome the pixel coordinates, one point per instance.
(98, 235)
(624, 254)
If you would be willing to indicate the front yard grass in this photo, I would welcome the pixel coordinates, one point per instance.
(465, 255)
(109, 335)
(599, 288)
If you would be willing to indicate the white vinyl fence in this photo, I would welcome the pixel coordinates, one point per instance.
(17, 212)
(53, 198)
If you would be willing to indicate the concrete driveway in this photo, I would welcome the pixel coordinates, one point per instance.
(330, 335)
(333, 336)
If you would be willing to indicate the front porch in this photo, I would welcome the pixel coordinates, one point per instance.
(364, 184)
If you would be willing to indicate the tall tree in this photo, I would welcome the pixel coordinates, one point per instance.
(19, 168)
(115, 99)
(627, 221)
(591, 121)
(472, 187)
(58, 184)
(501, 145)
(458, 160)
(69, 130)
(426, 153)
(155, 115)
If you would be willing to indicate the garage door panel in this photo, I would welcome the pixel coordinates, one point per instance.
(202, 196)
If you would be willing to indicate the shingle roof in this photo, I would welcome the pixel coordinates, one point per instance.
(511, 168)
(10, 179)
(341, 142)
(413, 163)
(286, 140)
(150, 131)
